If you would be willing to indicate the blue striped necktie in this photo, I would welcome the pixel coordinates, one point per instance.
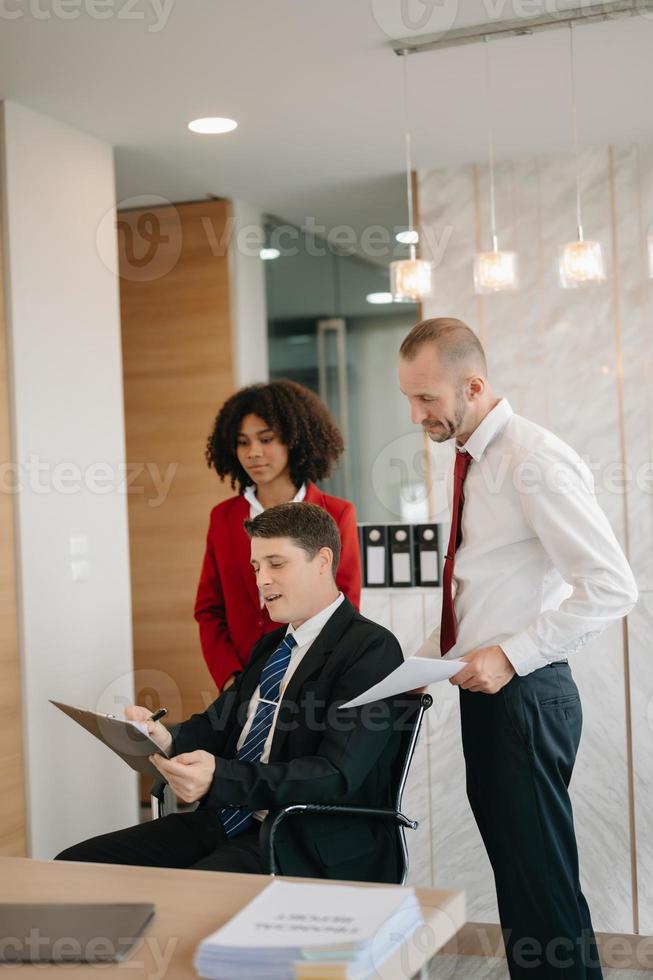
(237, 819)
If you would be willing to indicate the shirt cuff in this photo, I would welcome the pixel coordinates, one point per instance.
(523, 654)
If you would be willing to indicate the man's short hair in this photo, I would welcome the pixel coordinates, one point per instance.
(457, 344)
(308, 526)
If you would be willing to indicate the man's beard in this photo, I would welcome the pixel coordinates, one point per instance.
(446, 429)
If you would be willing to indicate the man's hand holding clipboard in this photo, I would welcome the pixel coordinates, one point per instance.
(134, 739)
(190, 774)
(157, 732)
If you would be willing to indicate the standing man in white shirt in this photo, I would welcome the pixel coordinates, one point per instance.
(533, 571)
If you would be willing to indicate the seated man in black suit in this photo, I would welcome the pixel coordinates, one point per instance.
(248, 754)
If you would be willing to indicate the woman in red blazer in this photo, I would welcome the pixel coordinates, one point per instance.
(272, 441)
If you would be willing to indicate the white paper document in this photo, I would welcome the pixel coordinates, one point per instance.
(347, 930)
(413, 673)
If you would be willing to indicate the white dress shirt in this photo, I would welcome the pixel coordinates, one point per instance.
(305, 635)
(255, 505)
(539, 570)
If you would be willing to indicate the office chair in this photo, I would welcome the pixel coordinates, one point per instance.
(420, 703)
(401, 768)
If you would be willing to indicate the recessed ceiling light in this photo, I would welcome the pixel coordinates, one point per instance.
(212, 124)
(407, 237)
(379, 298)
(269, 253)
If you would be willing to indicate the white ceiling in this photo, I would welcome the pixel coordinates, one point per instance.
(317, 93)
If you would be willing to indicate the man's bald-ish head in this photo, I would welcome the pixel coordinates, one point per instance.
(459, 349)
(443, 374)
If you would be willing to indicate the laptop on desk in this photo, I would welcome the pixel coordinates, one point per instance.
(65, 933)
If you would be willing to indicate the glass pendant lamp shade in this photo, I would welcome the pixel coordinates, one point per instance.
(495, 271)
(410, 280)
(580, 263)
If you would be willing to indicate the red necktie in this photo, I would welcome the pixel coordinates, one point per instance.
(449, 625)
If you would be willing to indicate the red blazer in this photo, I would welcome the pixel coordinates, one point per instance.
(227, 606)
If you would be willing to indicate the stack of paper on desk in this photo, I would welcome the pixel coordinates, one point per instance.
(299, 930)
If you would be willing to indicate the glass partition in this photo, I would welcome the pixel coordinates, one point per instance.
(324, 333)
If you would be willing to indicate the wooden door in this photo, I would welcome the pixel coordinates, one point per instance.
(177, 363)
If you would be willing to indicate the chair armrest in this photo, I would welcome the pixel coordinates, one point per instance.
(299, 809)
(157, 799)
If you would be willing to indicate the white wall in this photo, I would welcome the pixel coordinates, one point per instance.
(249, 310)
(67, 408)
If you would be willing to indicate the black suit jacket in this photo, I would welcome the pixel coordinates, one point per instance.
(318, 753)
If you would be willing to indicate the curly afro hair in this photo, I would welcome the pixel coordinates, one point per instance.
(300, 419)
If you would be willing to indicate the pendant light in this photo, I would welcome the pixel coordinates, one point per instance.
(580, 262)
(410, 279)
(495, 270)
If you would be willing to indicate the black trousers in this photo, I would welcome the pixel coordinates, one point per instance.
(520, 747)
(194, 839)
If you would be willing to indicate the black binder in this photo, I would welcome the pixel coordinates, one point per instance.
(427, 554)
(400, 543)
(375, 556)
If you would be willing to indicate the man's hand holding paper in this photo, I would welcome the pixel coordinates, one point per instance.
(486, 670)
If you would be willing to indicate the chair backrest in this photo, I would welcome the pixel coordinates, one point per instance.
(413, 707)
(410, 720)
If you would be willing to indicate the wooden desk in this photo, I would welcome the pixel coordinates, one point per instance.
(189, 906)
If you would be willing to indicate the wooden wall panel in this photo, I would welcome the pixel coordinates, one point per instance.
(177, 363)
(12, 797)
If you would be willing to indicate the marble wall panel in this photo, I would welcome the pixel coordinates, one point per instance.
(459, 858)
(631, 168)
(447, 218)
(644, 166)
(583, 406)
(504, 315)
(375, 604)
(555, 353)
(407, 619)
(599, 787)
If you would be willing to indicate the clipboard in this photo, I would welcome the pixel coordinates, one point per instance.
(126, 738)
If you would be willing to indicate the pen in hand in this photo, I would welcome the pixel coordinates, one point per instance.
(167, 738)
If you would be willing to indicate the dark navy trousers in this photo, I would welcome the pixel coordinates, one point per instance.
(520, 747)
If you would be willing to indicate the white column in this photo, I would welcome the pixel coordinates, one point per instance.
(249, 312)
(68, 433)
